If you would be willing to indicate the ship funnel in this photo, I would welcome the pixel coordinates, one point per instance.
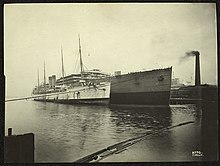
(53, 83)
(50, 82)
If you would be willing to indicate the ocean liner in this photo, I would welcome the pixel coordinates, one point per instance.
(95, 87)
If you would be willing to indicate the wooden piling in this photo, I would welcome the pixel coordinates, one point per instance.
(9, 131)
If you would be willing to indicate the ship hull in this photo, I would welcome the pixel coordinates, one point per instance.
(94, 101)
(142, 88)
(98, 95)
(141, 98)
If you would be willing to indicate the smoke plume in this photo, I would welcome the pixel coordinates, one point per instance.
(187, 55)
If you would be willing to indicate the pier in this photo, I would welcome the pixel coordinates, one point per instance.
(193, 94)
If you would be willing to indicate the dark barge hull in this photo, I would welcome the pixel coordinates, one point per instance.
(141, 98)
(150, 88)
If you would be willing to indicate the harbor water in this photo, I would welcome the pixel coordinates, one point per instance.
(65, 133)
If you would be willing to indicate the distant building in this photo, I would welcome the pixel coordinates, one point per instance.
(175, 82)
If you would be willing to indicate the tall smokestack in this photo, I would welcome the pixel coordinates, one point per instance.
(197, 68)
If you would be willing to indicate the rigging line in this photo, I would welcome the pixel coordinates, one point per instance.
(90, 61)
(85, 66)
(78, 65)
(76, 62)
(78, 68)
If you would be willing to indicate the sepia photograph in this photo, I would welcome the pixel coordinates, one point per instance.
(110, 82)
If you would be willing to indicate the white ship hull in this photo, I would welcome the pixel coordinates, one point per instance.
(80, 95)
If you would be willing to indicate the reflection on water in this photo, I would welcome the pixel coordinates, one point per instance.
(65, 133)
(140, 120)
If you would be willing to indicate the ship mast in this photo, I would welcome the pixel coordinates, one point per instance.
(44, 79)
(38, 80)
(62, 64)
(80, 55)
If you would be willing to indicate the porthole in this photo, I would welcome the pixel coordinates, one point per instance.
(160, 78)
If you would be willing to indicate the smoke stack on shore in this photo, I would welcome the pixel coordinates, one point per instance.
(197, 66)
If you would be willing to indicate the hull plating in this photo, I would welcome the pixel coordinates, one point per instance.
(144, 98)
(142, 88)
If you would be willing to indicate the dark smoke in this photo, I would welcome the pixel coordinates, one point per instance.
(192, 53)
(187, 55)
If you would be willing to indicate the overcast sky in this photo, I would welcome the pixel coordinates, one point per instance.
(126, 37)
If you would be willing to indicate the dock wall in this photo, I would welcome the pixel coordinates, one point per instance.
(19, 148)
